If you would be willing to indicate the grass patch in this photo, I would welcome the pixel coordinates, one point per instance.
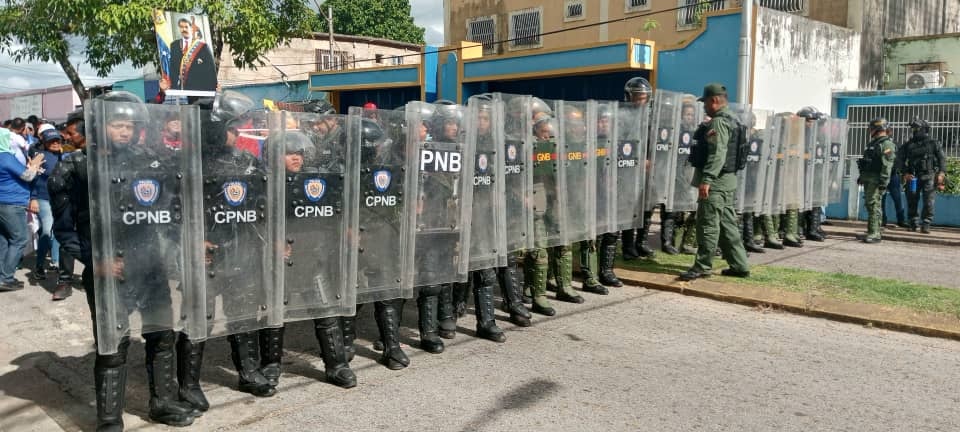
(842, 286)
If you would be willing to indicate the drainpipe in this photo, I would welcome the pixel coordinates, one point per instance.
(746, 45)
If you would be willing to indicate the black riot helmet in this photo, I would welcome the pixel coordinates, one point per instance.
(920, 127)
(636, 85)
(321, 106)
(371, 135)
(123, 106)
(230, 105)
(878, 124)
(296, 142)
(810, 113)
(445, 113)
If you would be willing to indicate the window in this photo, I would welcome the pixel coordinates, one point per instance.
(379, 58)
(791, 6)
(692, 12)
(324, 62)
(483, 30)
(525, 28)
(636, 5)
(574, 11)
(396, 60)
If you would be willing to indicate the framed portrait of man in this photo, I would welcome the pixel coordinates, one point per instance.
(187, 64)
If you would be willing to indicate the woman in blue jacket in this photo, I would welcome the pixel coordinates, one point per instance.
(15, 181)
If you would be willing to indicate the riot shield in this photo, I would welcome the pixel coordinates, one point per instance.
(663, 151)
(517, 174)
(820, 182)
(484, 129)
(838, 154)
(136, 186)
(444, 193)
(809, 146)
(321, 202)
(788, 189)
(240, 194)
(603, 116)
(577, 139)
(547, 193)
(387, 205)
(751, 179)
(684, 193)
(631, 133)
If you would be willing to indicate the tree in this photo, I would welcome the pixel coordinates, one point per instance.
(650, 25)
(388, 19)
(116, 31)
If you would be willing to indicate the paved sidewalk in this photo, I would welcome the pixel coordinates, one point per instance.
(941, 236)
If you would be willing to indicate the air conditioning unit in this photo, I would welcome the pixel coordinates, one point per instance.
(924, 79)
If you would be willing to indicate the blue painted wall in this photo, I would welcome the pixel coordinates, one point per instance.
(448, 78)
(712, 57)
(361, 77)
(607, 86)
(844, 100)
(584, 57)
(278, 92)
(430, 73)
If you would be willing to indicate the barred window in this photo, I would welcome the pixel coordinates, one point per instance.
(636, 5)
(525, 27)
(483, 30)
(692, 11)
(574, 11)
(324, 62)
(791, 6)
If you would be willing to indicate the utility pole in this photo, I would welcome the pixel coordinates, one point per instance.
(330, 28)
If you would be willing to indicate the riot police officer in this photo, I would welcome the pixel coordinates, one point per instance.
(875, 166)
(924, 167)
(639, 92)
(811, 218)
(139, 270)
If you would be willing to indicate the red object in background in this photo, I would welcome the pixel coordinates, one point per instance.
(369, 106)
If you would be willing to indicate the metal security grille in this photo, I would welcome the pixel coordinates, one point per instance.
(944, 124)
(325, 62)
(483, 30)
(634, 5)
(574, 10)
(692, 10)
(525, 28)
(791, 6)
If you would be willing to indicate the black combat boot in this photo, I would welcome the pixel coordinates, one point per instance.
(667, 227)
(511, 284)
(348, 324)
(747, 233)
(388, 321)
(165, 405)
(271, 352)
(629, 245)
(642, 236)
(606, 257)
(246, 358)
(110, 379)
(483, 306)
(461, 296)
(814, 233)
(189, 363)
(925, 228)
(427, 303)
(330, 336)
(445, 314)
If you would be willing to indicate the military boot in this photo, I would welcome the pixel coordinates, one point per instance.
(110, 381)
(667, 227)
(770, 233)
(748, 243)
(333, 351)
(271, 353)
(427, 319)
(606, 257)
(629, 245)
(461, 296)
(388, 322)
(562, 258)
(483, 306)
(814, 232)
(511, 280)
(348, 324)
(535, 279)
(189, 363)
(246, 358)
(588, 257)
(790, 237)
(643, 235)
(445, 313)
(165, 405)
(925, 228)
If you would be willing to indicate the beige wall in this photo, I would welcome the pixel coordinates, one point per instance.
(299, 59)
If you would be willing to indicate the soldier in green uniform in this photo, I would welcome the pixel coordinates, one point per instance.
(875, 167)
(716, 180)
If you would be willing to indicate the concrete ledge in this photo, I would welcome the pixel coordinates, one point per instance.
(811, 304)
(891, 235)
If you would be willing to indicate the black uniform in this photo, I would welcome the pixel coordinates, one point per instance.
(922, 158)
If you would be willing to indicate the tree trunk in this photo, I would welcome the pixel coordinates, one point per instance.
(72, 74)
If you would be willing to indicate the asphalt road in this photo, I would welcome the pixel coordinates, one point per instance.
(634, 360)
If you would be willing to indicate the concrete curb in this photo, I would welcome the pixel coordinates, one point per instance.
(887, 235)
(810, 304)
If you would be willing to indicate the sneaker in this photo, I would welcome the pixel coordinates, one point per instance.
(10, 286)
(39, 274)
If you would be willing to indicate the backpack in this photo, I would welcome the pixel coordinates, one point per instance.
(738, 151)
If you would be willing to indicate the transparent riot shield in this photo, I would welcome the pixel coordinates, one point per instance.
(683, 192)
(663, 149)
(631, 145)
(809, 146)
(751, 179)
(772, 200)
(603, 117)
(820, 182)
(387, 205)
(484, 132)
(517, 173)
(577, 138)
(444, 193)
(321, 202)
(240, 199)
(790, 168)
(136, 183)
(838, 153)
(548, 195)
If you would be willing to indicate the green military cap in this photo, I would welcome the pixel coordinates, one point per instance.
(711, 90)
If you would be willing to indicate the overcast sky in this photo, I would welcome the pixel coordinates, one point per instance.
(16, 77)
